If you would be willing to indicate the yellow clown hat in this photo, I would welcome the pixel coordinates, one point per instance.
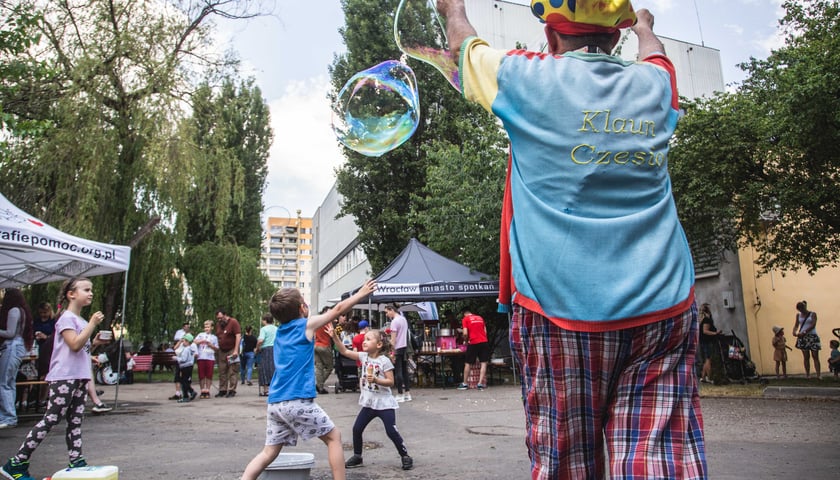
(582, 17)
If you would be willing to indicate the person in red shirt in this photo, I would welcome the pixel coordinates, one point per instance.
(359, 339)
(324, 361)
(475, 334)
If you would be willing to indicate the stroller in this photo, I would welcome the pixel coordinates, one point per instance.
(347, 373)
(736, 363)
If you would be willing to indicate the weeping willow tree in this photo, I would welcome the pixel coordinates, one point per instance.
(230, 133)
(224, 276)
(111, 162)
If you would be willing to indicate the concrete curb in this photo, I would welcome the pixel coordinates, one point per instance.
(820, 393)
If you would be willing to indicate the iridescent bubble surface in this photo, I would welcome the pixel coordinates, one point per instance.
(420, 34)
(378, 109)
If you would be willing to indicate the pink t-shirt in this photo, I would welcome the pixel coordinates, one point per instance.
(65, 363)
(400, 327)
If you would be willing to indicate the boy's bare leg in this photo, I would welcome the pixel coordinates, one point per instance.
(263, 459)
(335, 453)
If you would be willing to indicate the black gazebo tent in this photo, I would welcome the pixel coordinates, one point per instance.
(421, 274)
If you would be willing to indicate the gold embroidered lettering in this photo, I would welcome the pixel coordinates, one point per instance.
(588, 117)
(574, 152)
(621, 157)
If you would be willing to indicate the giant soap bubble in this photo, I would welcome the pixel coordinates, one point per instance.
(377, 109)
(420, 34)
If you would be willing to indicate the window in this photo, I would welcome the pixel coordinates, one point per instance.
(276, 251)
(350, 261)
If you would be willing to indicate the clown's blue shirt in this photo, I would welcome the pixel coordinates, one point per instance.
(592, 235)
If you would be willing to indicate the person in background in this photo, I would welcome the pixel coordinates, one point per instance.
(399, 339)
(265, 349)
(587, 199)
(708, 341)
(68, 379)
(475, 332)
(349, 329)
(186, 352)
(207, 345)
(44, 324)
(246, 363)
(185, 329)
(324, 360)
(229, 334)
(16, 338)
(359, 338)
(834, 359)
(807, 340)
(292, 412)
(780, 348)
(44, 327)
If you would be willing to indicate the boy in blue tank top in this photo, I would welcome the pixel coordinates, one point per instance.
(292, 412)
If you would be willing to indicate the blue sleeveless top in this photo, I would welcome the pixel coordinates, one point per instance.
(294, 362)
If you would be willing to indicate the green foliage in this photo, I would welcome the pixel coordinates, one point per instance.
(404, 192)
(761, 165)
(462, 203)
(23, 77)
(231, 135)
(117, 163)
(226, 276)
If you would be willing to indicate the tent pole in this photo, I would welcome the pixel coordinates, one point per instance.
(120, 352)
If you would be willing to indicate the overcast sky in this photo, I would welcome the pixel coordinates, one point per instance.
(289, 53)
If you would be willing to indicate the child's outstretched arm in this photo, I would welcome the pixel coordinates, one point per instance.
(339, 345)
(317, 321)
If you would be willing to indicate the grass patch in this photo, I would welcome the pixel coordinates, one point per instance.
(756, 388)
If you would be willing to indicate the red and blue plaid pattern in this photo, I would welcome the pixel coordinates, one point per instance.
(633, 387)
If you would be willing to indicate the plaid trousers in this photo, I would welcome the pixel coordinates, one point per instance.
(629, 394)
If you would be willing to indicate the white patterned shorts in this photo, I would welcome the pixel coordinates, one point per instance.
(292, 419)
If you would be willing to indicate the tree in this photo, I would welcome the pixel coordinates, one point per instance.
(22, 76)
(231, 133)
(398, 195)
(761, 165)
(113, 167)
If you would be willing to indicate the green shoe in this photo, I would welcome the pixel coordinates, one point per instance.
(78, 463)
(14, 470)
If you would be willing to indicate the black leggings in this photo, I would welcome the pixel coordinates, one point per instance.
(401, 377)
(389, 419)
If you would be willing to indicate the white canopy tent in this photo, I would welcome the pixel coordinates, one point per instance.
(32, 252)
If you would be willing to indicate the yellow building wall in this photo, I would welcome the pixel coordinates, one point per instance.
(770, 299)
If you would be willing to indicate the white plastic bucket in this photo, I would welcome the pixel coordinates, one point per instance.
(290, 466)
(102, 472)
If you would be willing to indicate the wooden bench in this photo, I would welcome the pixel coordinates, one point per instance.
(143, 363)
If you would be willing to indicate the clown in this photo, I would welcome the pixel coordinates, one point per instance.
(594, 263)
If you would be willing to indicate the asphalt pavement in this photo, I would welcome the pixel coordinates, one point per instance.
(450, 433)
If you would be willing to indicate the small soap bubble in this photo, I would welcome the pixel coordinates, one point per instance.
(378, 109)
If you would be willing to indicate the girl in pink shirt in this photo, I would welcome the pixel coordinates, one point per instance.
(67, 379)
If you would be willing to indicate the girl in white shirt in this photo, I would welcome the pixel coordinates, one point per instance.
(375, 398)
